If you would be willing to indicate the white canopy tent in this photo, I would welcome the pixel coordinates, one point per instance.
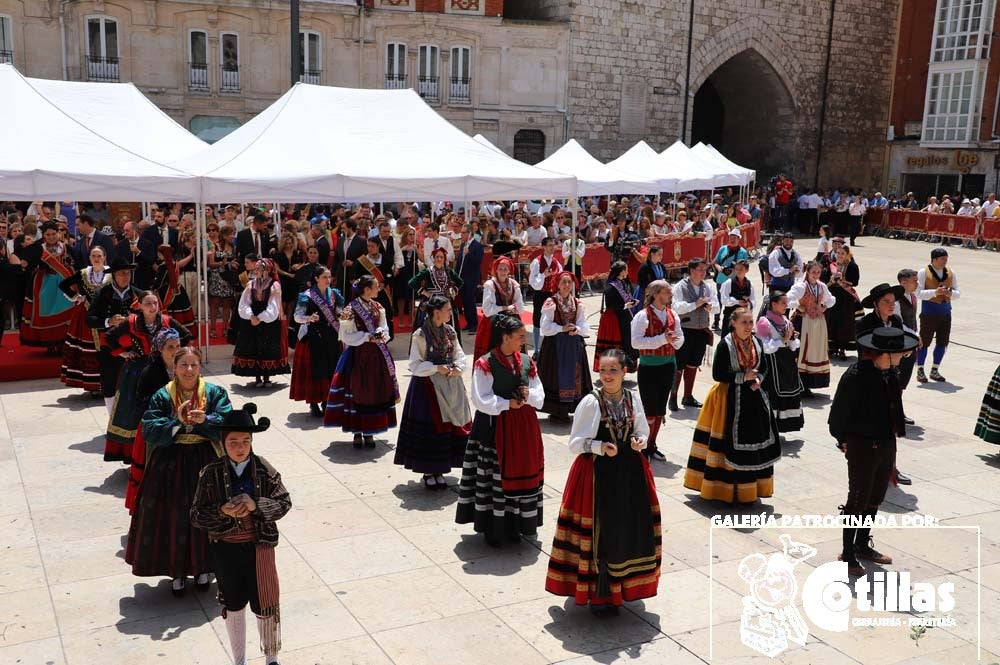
(486, 142)
(691, 172)
(52, 151)
(319, 143)
(120, 111)
(594, 178)
(642, 162)
(740, 175)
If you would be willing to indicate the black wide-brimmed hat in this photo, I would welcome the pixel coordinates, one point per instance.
(241, 420)
(879, 291)
(121, 263)
(888, 340)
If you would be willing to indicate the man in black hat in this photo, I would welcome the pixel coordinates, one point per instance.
(238, 500)
(882, 300)
(111, 306)
(865, 419)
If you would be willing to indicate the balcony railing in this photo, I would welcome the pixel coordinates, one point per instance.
(395, 82)
(461, 91)
(311, 76)
(230, 78)
(428, 88)
(102, 69)
(198, 76)
(6, 56)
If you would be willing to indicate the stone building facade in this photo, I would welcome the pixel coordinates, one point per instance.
(765, 82)
(944, 137)
(212, 65)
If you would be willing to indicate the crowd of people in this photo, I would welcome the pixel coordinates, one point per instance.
(332, 287)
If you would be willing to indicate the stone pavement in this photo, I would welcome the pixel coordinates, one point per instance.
(374, 570)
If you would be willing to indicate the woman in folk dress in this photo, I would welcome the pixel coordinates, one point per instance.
(809, 299)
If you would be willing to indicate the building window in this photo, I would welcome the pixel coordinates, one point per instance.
(211, 128)
(229, 43)
(461, 75)
(952, 112)
(395, 66)
(962, 30)
(310, 63)
(6, 40)
(529, 146)
(102, 49)
(198, 60)
(427, 73)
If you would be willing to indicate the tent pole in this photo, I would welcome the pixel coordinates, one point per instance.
(201, 259)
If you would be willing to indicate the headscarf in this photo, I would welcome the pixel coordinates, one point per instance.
(442, 251)
(558, 278)
(161, 338)
(270, 276)
(500, 261)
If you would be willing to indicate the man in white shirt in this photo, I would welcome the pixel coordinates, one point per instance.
(967, 208)
(434, 240)
(542, 268)
(937, 287)
(784, 265)
(573, 255)
(536, 232)
(990, 205)
(695, 302)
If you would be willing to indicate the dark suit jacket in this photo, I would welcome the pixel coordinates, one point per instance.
(388, 249)
(245, 245)
(323, 247)
(81, 253)
(469, 264)
(143, 275)
(356, 248)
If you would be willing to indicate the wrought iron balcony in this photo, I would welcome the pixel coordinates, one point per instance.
(230, 78)
(311, 76)
(428, 87)
(461, 91)
(102, 69)
(198, 76)
(394, 82)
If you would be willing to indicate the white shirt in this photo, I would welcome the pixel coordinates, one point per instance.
(535, 236)
(682, 307)
(638, 331)
(578, 251)
(989, 207)
(966, 210)
(587, 419)
(351, 336)
(774, 267)
(858, 208)
(899, 312)
(774, 340)
(926, 294)
(486, 401)
(429, 247)
(726, 298)
(536, 276)
(418, 351)
(273, 304)
(798, 290)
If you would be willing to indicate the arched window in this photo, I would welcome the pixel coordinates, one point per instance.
(395, 66)
(102, 49)
(529, 146)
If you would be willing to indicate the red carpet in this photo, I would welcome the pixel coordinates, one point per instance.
(19, 363)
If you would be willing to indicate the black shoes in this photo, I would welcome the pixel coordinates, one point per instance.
(672, 402)
(691, 401)
(315, 410)
(903, 479)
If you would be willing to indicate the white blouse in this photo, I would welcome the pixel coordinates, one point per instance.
(587, 418)
(486, 401)
(273, 304)
(798, 290)
(725, 294)
(420, 366)
(490, 306)
(351, 336)
(774, 340)
(549, 327)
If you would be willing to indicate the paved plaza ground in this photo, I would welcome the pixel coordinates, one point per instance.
(374, 570)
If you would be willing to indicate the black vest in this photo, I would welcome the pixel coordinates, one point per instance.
(908, 312)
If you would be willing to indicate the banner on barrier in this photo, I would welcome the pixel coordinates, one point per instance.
(953, 226)
(991, 230)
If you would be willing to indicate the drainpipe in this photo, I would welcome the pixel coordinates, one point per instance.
(826, 86)
(361, 42)
(62, 38)
(687, 75)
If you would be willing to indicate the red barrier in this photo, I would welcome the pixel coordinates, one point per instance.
(907, 220)
(952, 226)
(677, 251)
(876, 217)
(991, 230)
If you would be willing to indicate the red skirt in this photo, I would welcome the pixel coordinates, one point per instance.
(362, 398)
(136, 471)
(305, 387)
(609, 336)
(577, 566)
(81, 367)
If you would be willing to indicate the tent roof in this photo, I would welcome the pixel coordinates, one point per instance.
(743, 175)
(121, 111)
(641, 161)
(691, 171)
(51, 151)
(593, 177)
(319, 143)
(486, 142)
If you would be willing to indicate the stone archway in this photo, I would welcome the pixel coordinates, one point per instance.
(745, 110)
